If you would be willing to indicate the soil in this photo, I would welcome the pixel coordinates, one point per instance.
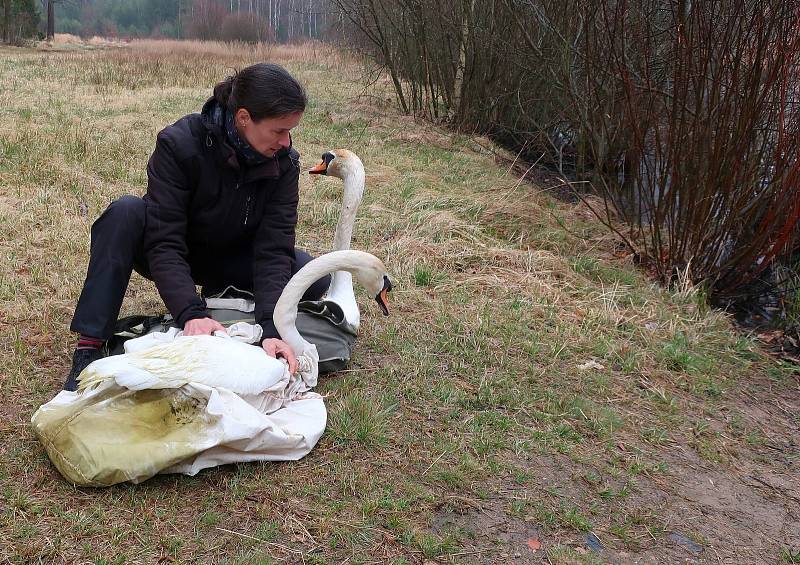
(744, 509)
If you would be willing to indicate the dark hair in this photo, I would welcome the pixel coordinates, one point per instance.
(265, 90)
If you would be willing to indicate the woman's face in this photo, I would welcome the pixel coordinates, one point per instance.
(268, 135)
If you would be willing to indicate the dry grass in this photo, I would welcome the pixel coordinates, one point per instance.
(310, 51)
(307, 52)
(96, 41)
(528, 375)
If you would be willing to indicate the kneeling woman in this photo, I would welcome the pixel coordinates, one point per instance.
(220, 210)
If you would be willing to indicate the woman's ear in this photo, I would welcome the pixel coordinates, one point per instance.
(243, 118)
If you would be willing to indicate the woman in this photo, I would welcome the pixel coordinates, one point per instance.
(220, 210)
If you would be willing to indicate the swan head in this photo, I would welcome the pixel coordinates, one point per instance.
(371, 273)
(339, 163)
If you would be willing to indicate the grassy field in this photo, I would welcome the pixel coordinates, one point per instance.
(532, 399)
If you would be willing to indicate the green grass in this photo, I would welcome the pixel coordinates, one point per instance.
(526, 371)
(790, 556)
(360, 418)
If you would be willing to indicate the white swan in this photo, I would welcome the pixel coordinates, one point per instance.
(210, 360)
(235, 366)
(345, 165)
(368, 270)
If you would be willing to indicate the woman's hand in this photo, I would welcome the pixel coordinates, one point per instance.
(279, 348)
(202, 326)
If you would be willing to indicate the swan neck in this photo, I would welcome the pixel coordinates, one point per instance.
(285, 314)
(353, 193)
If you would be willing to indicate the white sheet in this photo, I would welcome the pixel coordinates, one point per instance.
(111, 434)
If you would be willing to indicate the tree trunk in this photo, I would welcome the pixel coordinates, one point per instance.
(291, 21)
(456, 111)
(51, 21)
(7, 21)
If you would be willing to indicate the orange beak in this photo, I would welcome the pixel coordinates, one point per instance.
(383, 296)
(384, 301)
(320, 169)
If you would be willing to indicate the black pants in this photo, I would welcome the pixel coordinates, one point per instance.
(117, 249)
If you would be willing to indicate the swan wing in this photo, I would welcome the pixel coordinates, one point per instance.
(207, 360)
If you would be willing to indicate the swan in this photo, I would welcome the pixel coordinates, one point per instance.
(214, 361)
(345, 165)
(238, 367)
(332, 322)
(367, 269)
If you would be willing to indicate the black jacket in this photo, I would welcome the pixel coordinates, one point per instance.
(203, 207)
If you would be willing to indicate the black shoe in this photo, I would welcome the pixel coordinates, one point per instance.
(80, 360)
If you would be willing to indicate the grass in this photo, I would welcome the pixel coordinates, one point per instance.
(789, 556)
(527, 369)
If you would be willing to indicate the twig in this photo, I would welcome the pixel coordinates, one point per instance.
(476, 552)
(302, 527)
(522, 177)
(432, 464)
(780, 491)
(278, 545)
(466, 501)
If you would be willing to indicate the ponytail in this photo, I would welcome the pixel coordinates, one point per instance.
(223, 90)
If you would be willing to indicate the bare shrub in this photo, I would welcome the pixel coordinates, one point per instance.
(248, 28)
(704, 159)
(205, 20)
(683, 115)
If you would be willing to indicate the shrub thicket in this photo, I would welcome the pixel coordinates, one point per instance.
(682, 114)
(247, 28)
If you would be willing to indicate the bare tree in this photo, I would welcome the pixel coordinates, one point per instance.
(6, 21)
(51, 20)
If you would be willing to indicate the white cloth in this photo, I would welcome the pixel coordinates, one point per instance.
(111, 433)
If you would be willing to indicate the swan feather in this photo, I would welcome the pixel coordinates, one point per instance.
(201, 359)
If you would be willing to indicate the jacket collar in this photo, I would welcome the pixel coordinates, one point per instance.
(216, 140)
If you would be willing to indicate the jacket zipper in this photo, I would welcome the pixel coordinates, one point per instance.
(247, 202)
(247, 208)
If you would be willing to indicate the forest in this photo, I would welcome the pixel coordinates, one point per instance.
(226, 20)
